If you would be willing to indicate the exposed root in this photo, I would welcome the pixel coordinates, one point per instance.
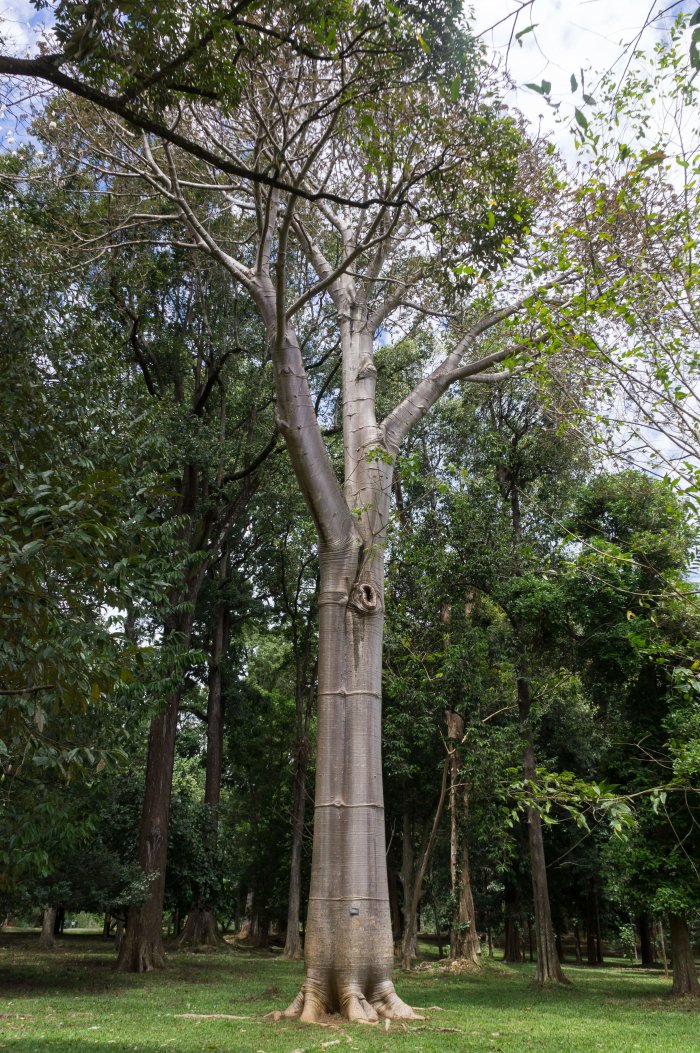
(311, 1005)
(389, 1006)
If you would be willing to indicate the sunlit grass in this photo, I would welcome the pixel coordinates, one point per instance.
(71, 999)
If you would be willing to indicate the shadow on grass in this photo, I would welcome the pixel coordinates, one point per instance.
(31, 972)
(629, 988)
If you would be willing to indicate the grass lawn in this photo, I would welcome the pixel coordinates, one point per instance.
(71, 1000)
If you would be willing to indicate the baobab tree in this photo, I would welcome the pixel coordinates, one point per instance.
(447, 183)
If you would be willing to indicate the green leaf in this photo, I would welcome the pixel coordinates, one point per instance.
(581, 118)
(524, 32)
(695, 20)
(574, 83)
(695, 50)
(455, 87)
(589, 100)
(542, 89)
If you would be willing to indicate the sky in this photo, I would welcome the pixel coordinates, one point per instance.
(569, 36)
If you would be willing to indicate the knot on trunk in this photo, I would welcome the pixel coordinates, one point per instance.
(364, 597)
(367, 369)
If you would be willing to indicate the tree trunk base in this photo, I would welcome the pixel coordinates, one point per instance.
(548, 977)
(201, 930)
(292, 951)
(140, 955)
(315, 1000)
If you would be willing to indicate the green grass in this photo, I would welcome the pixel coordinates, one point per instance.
(71, 1000)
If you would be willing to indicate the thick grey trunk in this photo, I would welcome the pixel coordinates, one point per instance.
(349, 951)
(348, 946)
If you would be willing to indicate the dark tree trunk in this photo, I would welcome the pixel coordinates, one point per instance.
(559, 946)
(393, 879)
(59, 921)
(304, 695)
(410, 927)
(512, 950)
(411, 911)
(262, 929)
(464, 939)
(685, 977)
(106, 926)
(48, 922)
(577, 943)
(201, 928)
(119, 934)
(548, 966)
(142, 946)
(645, 942)
(292, 943)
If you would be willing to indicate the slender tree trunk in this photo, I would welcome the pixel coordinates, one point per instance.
(201, 928)
(119, 934)
(142, 947)
(412, 915)
(48, 922)
(662, 943)
(512, 949)
(464, 938)
(292, 944)
(685, 977)
(393, 879)
(59, 921)
(591, 925)
(407, 870)
(577, 943)
(548, 966)
(645, 941)
(106, 926)
(512, 939)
